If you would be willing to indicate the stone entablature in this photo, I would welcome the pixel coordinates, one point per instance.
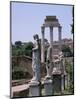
(51, 21)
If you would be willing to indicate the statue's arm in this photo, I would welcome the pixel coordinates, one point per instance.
(36, 46)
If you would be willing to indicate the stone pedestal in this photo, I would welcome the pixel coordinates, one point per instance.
(34, 89)
(48, 88)
(56, 83)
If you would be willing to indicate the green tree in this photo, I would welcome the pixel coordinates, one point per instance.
(28, 49)
(18, 44)
(66, 51)
(20, 48)
(70, 70)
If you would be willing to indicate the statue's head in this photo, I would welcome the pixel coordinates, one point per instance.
(36, 37)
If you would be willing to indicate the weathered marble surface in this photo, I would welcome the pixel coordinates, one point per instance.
(34, 89)
(36, 59)
(48, 87)
(49, 62)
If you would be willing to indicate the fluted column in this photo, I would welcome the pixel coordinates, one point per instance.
(42, 45)
(51, 36)
(60, 29)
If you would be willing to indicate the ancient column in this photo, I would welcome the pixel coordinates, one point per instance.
(59, 29)
(42, 45)
(51, 36)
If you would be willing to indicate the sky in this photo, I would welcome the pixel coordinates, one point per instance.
(27, 19)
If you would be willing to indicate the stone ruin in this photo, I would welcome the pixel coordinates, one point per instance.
(57, 66)
(54, 80)
(55, 77)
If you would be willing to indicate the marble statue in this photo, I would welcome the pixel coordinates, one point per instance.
(49, 61)
(36, 59)
(61, 61)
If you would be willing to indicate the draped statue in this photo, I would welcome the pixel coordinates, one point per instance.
(36, 59)
(49, 62)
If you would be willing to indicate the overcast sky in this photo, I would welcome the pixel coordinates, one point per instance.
(27, 19)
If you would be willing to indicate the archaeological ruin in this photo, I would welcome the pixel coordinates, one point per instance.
(47, 76)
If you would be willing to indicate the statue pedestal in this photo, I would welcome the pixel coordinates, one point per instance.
(48, 88)
(34, 88)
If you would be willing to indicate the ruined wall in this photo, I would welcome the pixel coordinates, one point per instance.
(24, 64)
